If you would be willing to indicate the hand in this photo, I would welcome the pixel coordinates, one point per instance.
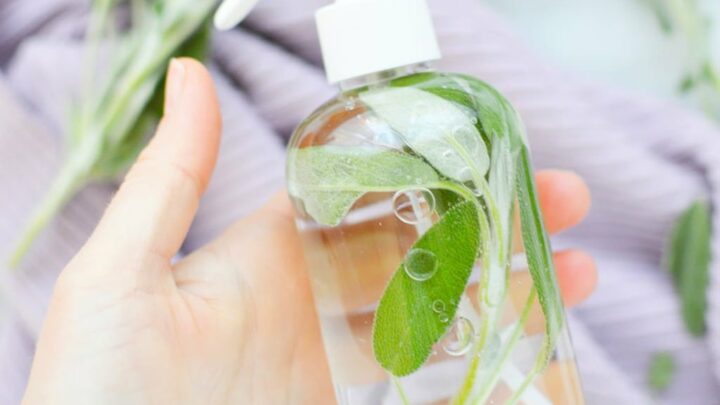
(231, 323)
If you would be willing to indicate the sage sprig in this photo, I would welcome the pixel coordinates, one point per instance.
(464, 144)
(110, 126)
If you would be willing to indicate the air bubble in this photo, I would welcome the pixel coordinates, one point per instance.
(413, 205)
(421, 264)
(459, 338)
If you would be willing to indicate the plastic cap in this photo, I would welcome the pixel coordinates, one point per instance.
(360, 37)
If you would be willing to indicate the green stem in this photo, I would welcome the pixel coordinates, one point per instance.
(401, 391)
(68, 182)
(540, 364)
(491, 310)
(487, 320)
(480, 182)
(467, 386)
(486, 389)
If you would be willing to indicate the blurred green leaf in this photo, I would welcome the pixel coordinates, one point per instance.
(688, 261)
(661, 371)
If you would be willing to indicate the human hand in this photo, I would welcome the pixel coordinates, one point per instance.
(231, 323)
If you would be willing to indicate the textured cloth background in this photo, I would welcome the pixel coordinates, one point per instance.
(644, 160)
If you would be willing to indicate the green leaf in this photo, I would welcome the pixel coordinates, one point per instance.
(688, 261)
(413, 315)
(439, 130)
(538, 254)
(688, 84)
(446, 199)
(329, 179)
(661, 371)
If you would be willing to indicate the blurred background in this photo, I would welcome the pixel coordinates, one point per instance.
(624, 92)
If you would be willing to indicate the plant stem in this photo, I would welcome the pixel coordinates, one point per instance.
(480, 182)
(487, 285)
(486, 389)
(70, 179)
(540, 364)
(400, 390)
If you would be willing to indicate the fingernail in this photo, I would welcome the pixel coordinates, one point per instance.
(174, 84)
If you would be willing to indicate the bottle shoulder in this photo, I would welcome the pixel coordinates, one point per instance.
(352, 117)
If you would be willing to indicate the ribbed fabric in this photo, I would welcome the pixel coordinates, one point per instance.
(644, 160)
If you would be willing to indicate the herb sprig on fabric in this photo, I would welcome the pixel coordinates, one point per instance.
(121, 102)
(688, 261)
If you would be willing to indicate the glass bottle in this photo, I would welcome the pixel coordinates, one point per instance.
(430, 266)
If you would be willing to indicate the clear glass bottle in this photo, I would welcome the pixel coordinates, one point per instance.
(431, 270)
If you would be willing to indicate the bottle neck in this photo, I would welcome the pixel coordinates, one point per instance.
(379, 79)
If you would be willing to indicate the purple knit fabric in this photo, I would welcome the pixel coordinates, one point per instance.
(644, 160)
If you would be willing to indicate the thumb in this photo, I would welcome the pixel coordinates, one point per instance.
(155, 205)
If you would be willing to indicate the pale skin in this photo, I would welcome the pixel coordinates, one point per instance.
(232, 322)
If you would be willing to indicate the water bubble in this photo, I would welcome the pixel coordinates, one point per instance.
(421, 264)
(443, 317)
(447, 154)
(438, 306)
(350, 105)
(413, 205)
(459, 338)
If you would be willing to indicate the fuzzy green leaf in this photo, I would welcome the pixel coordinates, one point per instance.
(538, 253)
(329, 179)
(439, 130)
(409, 320)
(688, 261)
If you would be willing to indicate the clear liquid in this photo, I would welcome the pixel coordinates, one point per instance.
(352, 262)
(350, 266)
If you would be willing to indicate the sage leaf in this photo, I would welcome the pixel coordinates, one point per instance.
(661, 371)
(538, 254)
(329, 179)
(688, 261)
(413, 315)
(439, 130)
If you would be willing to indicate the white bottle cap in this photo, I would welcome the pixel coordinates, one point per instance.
(359, 37)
